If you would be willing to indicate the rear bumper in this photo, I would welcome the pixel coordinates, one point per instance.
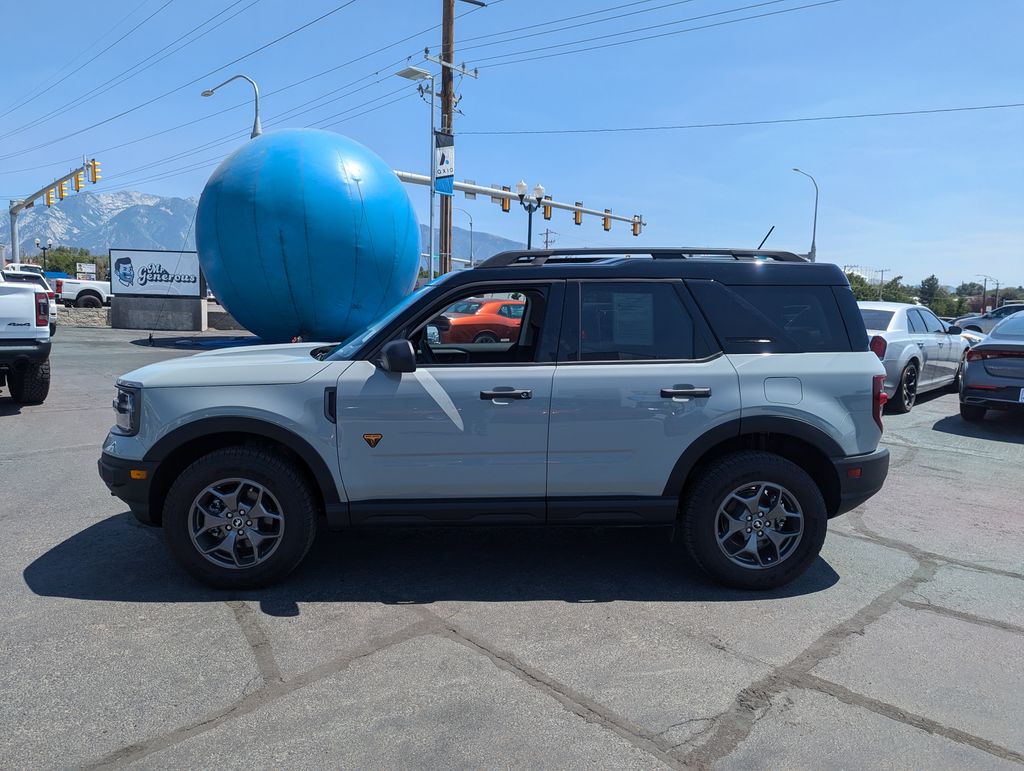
(14, 352)
(116, 475)
(860, 477)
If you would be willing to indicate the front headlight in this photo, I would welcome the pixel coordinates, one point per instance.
(127, 405)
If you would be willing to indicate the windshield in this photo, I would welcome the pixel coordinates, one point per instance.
(1013, 327)
(347, 349)
(876, 319)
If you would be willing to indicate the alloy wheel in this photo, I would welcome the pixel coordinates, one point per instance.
(759, 525)
(236, 523)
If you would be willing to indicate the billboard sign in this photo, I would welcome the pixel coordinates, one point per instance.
(444, 163)
(151, 273)
(85, 271)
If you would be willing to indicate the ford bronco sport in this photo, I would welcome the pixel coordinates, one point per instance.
(727, 394)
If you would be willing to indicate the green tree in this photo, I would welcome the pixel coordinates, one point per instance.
(928, 291)
(862, 290)
(63, 258)
(969, 289)
(895, 292)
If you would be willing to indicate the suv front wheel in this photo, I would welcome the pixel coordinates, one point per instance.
(754, 520)
(240, 517)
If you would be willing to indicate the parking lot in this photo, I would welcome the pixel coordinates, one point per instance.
(900, 648)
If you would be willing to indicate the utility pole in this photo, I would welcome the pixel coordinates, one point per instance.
(447, 110)
(548, 240)
(881, 281)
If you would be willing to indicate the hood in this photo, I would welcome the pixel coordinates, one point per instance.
(251, 365)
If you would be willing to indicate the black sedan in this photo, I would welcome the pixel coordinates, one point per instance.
(993, 375)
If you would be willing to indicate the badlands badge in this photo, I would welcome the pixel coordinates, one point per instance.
(373, 439)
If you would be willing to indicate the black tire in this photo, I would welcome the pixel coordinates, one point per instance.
(53, 328)
(486, 337)
(955, 385)
(714, 485)
(277, 475)
(906, 391)
(972, 412)
(88, 301)
(31, 385)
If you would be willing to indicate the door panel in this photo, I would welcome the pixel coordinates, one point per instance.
(613, 433)
(439, 439)
(928, 344)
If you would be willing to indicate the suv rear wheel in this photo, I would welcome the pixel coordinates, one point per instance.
(240, 517)
(754, 520)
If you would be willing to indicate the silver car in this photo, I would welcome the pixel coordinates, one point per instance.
(984, 322)
(993, 377)
(920, 351)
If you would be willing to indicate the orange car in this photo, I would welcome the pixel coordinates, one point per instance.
(481, 321)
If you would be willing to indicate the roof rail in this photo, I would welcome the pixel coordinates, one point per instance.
(537, 257)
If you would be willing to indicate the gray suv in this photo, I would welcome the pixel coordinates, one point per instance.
(728, 396)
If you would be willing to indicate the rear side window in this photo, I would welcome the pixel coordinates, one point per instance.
(876, 319)
(914, 322)
(634, 321)
(772, 319)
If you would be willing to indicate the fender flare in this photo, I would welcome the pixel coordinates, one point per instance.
(230, 425)
(734, 429)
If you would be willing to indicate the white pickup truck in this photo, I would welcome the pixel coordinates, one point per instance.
(83, 294)
(24, 341)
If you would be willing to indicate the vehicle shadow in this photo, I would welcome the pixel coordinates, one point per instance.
(8, 406)
(998, 426)
(196, 343)
(119, 560)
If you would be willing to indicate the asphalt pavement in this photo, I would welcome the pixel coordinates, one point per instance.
(900, 648)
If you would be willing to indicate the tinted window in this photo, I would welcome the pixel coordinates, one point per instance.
(631, 321)
(1007, 310)
(465, 306)
(876, 319)
(512, 311)
(1012, 327)
(914, 322)
(931, 321)
(773, 319)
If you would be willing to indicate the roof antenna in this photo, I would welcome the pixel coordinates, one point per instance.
(766, 236)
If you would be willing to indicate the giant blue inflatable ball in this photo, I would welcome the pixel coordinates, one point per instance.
(306, 233)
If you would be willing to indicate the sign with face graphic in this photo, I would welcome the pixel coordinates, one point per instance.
(155, 273)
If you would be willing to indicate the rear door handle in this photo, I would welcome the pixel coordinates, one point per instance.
(508, 393)
(697, 393)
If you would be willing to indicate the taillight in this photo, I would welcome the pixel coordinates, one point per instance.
(992, 353)
(42, 310)
(878, 399)
(51, 295)
(60, 286)
(878, 346)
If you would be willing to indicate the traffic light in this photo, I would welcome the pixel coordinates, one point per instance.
(62, 190)
(607, 219)
(547, 209)
(636, 226)
(506, 203)
(94, 171)
(49, 197)
(79, 180)
(577, 216)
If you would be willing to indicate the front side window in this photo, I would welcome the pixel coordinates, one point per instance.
(633, 321)
(931, 321)
(490, 328)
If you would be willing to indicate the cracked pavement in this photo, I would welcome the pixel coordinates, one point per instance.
(899, 648)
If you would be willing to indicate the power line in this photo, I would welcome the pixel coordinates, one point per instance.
(148, 61)
(86, 64)
(651, 37)
(183, 85)
(850, 116)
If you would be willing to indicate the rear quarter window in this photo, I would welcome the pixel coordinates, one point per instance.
(777, 319)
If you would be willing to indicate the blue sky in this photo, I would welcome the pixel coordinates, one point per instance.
(918, 194)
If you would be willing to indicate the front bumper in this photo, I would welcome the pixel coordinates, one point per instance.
(860, 477)
(131, 488)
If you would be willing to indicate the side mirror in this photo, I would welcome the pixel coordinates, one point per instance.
(953, 329)
(398, 356)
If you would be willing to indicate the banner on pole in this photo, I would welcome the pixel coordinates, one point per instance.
(444, 163)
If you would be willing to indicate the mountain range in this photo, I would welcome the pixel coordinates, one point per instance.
(135, 220)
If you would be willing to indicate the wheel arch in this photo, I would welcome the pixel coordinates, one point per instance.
(175, 451)
(803, 444)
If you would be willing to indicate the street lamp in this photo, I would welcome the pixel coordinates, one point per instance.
(531, 204)
(814, 230)
(418, 74)
(44, 249)
(257, 129)
(471, 260)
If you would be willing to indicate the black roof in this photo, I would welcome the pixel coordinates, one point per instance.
(731, 266)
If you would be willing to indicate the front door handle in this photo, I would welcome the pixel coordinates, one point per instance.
(507, 393)
(697, 393)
